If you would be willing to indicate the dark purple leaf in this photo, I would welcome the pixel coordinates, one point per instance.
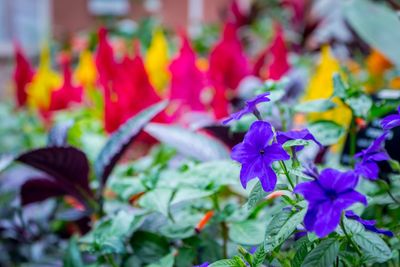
(68, 166)
(59, 133)
(225, 135)
(39, 189)
(121, 139)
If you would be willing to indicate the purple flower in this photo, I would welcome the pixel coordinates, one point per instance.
(391, 121)
(250, 107)
(327, 197)
(283, 137)
(368, 167)
(256, 154)
(368, 224)
(205, 264)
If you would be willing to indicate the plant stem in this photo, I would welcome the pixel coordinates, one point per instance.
(110, 260)
(353, 140)
(393, 197)
(224, 227)
(349, 238)
(257, 114)
(286, 172)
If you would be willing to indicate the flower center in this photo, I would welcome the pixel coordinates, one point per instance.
(262, 151)
(331, 194)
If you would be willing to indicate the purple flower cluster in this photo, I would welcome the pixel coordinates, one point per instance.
(327, 197)
(256, 153)
(331, 192)
(368, 166)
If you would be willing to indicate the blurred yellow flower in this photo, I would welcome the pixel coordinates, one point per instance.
(321, 87)
(85, 72)
(43, 83)
(157, 61)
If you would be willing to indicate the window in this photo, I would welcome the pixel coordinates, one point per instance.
(26, 21)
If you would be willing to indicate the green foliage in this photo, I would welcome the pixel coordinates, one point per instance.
(318, 105)
(324, 254)
(327, 132)
(370, 20)
(281, 228)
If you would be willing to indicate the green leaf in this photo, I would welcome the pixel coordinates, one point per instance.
(247, 232)
(302, 246)
(323, 255)
(109, 235)
(256, 194)
(370, 20)
(326, 132)
(187, 194)
(360, 105)
(166, 261)
(113, 150)
(72, 257)
(281, 227)
(208, 175)
(5, 161)
(157, 200)
(374, 248)
(318, 105)
(338, 85)
(394, 164)
(149, 247)
(298, 142)
(178, 230)
(188, 143)
(259, 256)
(228, 263)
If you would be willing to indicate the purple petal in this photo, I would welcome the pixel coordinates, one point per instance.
(391, 121)
(380, 156)
(311, 191)
(327, 219)
(236, 115)
(250, 171)
(244, 153)
(249, 108)
(368, 170)
(275, 152)
(259, 134)
(377, 144)
(332, 179)
(251, 104)
(268, 179)
(304, 134)
(368, 224)
(347, 199)
(310, 218)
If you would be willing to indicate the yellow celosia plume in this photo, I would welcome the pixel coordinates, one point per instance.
(157, 61)
(86, 73)
(321, 87)
(43, 83)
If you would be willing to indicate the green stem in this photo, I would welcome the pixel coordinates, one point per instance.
(393, 197)
(349, 238)
(257, 114)
(353, 140)
(286, 172)
(110, 260)
(224, 227)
